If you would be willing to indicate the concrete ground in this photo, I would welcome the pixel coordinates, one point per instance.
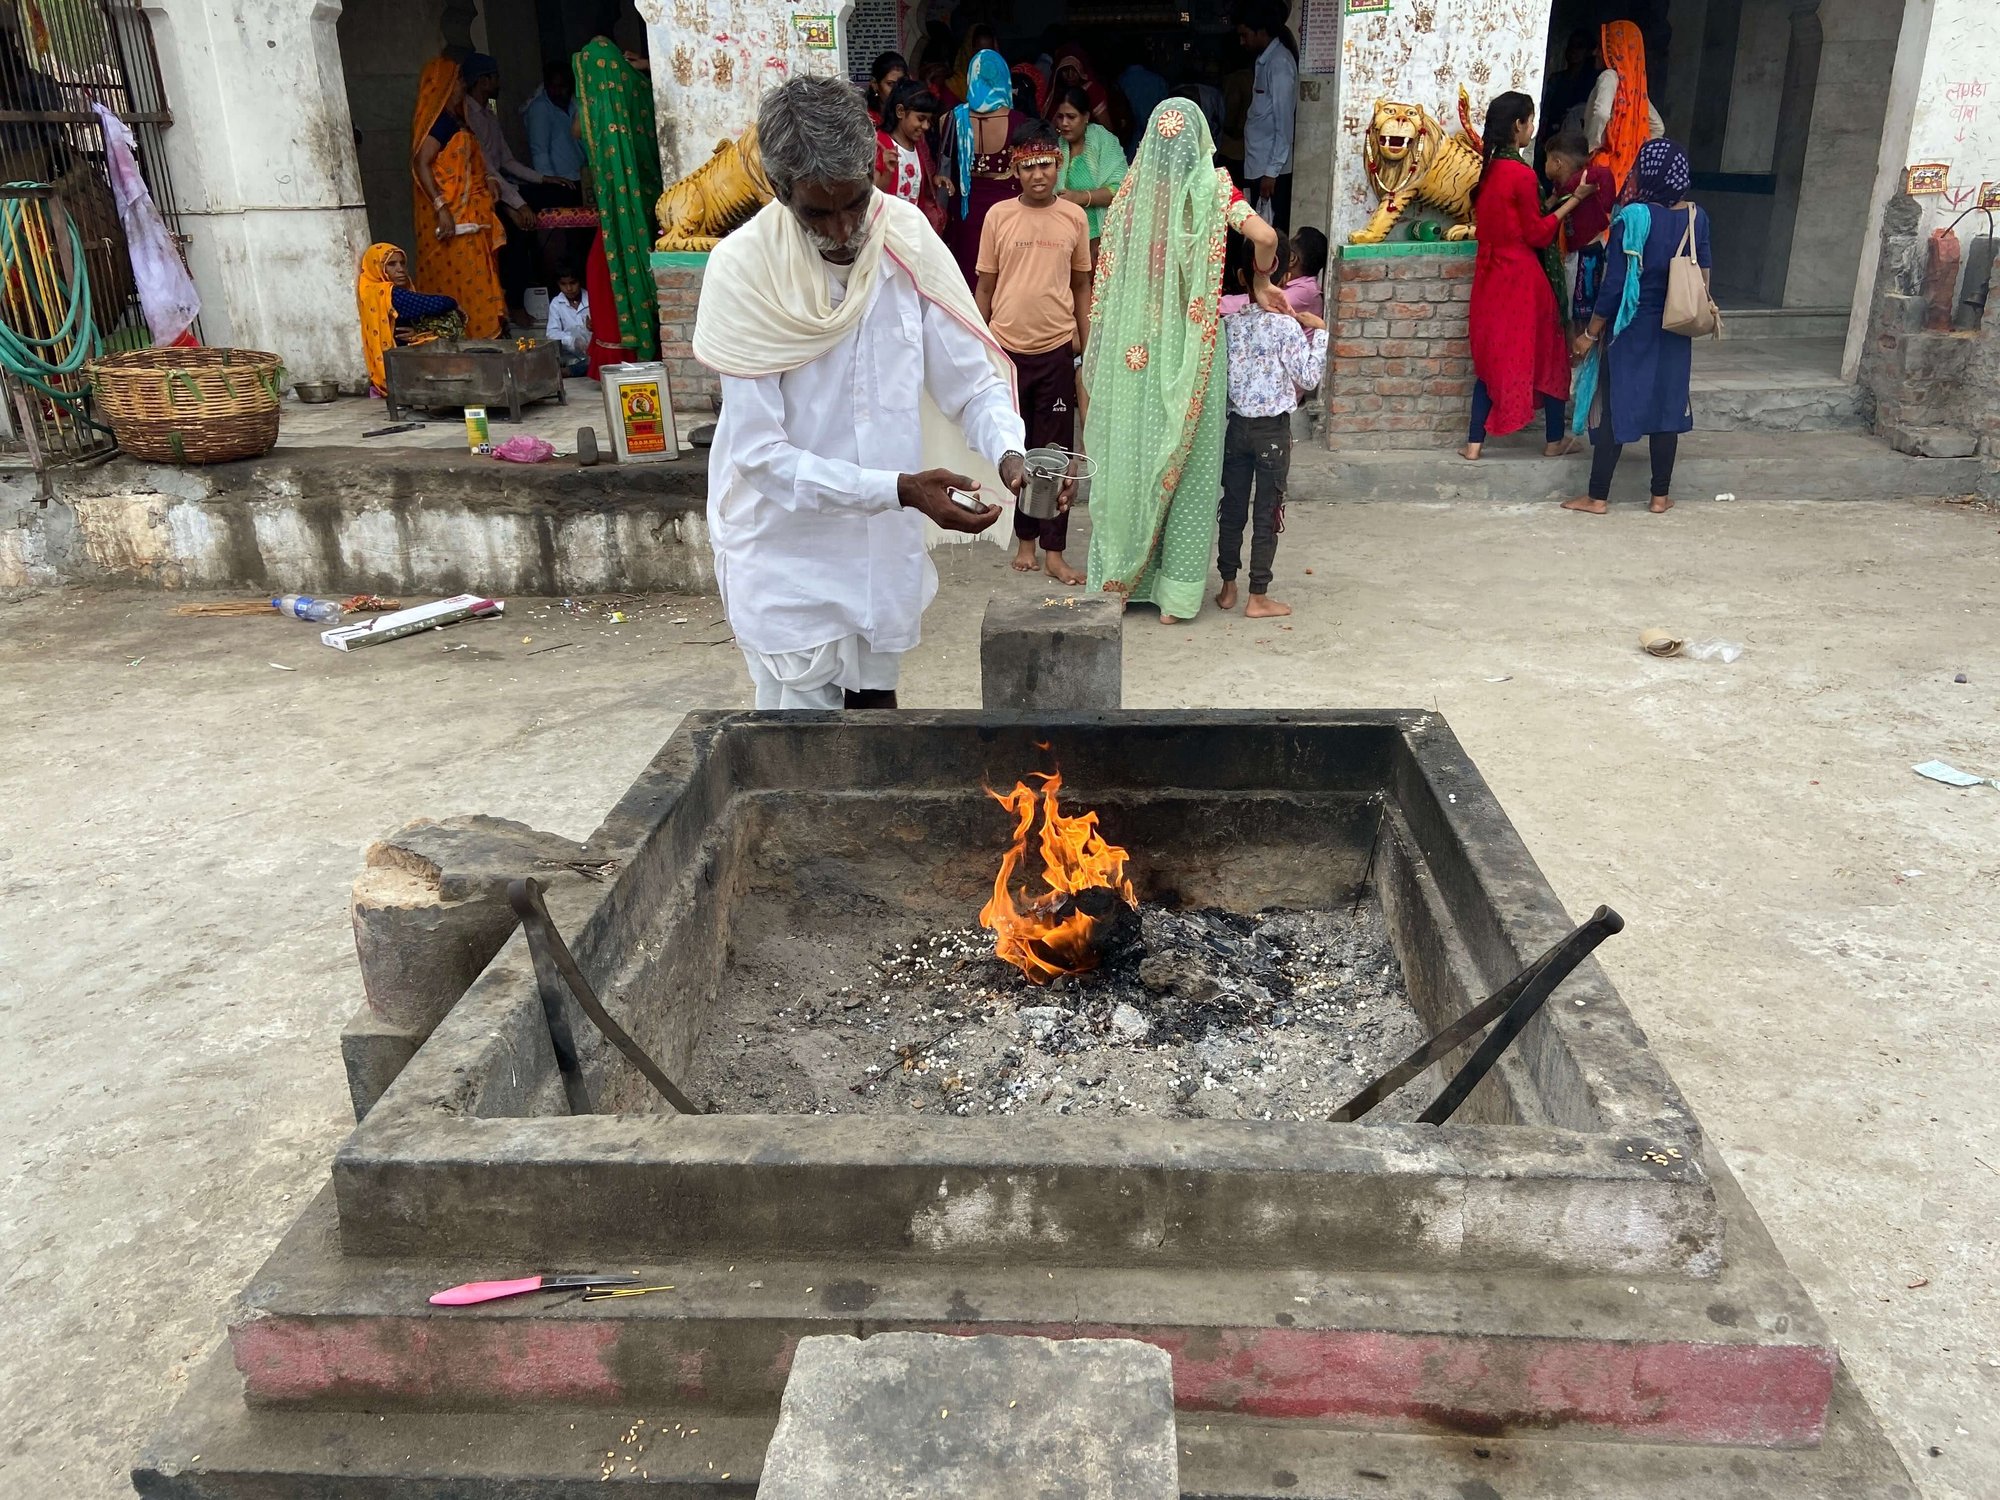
(1810, 943)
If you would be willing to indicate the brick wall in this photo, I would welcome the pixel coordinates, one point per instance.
(678, 279)
(1399, 371)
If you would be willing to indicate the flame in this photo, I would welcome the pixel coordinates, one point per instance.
(1038, 938)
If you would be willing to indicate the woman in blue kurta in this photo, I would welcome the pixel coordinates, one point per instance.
(1641, 373)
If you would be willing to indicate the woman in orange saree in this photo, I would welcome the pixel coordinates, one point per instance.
(457, 230)
(1631, 119)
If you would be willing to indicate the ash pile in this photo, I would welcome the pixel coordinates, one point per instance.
(1192, 1013)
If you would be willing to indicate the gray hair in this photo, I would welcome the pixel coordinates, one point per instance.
(815, 129)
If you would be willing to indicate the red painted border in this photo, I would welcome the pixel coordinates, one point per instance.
(1743, 1395)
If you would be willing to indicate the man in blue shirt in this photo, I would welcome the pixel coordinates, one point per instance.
(1143, 88)
(550, 118)
(1267, 132)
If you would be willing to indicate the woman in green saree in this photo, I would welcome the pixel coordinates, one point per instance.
(1152, 372)
(615, 119)
(1093, 163)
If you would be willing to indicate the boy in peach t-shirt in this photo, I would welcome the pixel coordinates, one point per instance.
(1034, 292)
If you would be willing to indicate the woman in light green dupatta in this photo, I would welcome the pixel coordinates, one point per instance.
(615, 119)
(1153, 372)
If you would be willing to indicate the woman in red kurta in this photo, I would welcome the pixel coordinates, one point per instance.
(607, 344)
(1518, 348)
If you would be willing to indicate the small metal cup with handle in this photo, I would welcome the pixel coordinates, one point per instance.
(1041, 499)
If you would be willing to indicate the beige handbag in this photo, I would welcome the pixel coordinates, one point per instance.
(1690, 311)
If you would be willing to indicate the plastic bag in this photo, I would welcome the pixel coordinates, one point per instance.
(1713, 650)
(167, 294)
(524, 448)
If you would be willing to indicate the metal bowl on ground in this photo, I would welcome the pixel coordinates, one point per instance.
(316, 392)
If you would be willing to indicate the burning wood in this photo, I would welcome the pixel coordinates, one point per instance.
(1088, 908)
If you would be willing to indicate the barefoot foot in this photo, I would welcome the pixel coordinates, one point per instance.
(1264, 607)
(1061, 571)
(1585, 504)
(1024, 557)
(1227, 598)
(1661, 504)
(1563, 449)
(1167, 619)
(1470, 451)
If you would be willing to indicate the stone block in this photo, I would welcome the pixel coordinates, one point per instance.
(374, 1052)
(1933, 442)
(430, 910)
(922, 1416)
(1041, 653)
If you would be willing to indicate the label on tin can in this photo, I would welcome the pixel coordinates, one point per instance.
(478, 434)
(639, 409)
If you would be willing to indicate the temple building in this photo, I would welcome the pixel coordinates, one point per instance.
(1806, 120)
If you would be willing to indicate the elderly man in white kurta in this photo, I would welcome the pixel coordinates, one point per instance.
(865, 410)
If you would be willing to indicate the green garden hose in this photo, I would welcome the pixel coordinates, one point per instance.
(24, 356)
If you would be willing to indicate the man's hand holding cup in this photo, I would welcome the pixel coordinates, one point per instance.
(931, 494)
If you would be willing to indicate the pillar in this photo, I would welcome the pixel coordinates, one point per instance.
(714, 59)
(1788, 160)
(262, 156)
(1715, 75)
(1857, 55)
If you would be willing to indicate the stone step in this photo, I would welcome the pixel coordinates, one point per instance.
(1749, 466)
(925, 1416)
(1226, 1458)
(1739, 1358)
(1827, 406)
(214, 1447)
(1743, 323)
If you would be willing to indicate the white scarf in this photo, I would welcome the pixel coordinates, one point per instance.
(765, 310)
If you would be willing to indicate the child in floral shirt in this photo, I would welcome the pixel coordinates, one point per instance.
(903, 166)
(1272, 357)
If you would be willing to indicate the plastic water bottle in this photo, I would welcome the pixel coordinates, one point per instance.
(305, 607)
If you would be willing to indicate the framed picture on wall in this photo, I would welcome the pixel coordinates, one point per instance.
(1926, 178)
(815, 33)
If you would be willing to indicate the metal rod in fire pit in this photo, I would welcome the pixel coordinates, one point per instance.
(546, 946)
(1520, 996)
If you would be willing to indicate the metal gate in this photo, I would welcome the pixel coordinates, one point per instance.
(66, 285)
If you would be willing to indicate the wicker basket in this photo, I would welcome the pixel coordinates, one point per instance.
(190, 406)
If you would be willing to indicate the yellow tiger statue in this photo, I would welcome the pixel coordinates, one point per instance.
(1410, 159)
(695, 212)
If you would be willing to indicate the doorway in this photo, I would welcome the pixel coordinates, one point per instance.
(384, 45)
(1780, 104)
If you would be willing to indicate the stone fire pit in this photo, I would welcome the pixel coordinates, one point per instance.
(1563, 1260)
(738, 816)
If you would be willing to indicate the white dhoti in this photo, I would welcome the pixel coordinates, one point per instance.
(821, 678)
